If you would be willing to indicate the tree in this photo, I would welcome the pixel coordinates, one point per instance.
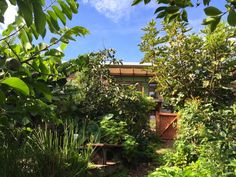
(176, 10)
(28, 67)
(191, 65)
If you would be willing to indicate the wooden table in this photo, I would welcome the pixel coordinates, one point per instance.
(104, 148)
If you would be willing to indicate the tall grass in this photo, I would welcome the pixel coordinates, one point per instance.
(47, 153)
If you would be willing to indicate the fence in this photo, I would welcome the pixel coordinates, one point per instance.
(166, 125)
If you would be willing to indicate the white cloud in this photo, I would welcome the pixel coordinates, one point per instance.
(9, 16)
(113, 9)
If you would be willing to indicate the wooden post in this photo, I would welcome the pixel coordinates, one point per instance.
(158, 117)
(104, 154)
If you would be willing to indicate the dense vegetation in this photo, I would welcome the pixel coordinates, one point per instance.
(50, 111)
(195, 76)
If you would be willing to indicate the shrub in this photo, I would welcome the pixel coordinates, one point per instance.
(205, 133)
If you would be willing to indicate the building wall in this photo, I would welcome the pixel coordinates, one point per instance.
(141, 80)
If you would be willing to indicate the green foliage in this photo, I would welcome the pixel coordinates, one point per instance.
(191, 65)
(43, 152)
(57, 152)
(176, 10)
(112, 131)
(36, 14)
(91, 94)
(29, 68)
(205, 136)
(202, 167)
(28, 75)
(92, 85)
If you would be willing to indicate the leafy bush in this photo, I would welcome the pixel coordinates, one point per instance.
(189, 65)
(205, 133)
(92, 93)
(202, 167)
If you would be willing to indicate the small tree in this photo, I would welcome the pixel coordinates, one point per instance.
(192, 65)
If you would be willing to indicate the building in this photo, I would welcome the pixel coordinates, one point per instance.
(133, 73)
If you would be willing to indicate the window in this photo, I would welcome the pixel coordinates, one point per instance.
(152, 90)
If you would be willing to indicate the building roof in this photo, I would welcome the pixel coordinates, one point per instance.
(130, 69)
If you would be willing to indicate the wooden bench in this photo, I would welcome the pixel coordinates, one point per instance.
(104, 148)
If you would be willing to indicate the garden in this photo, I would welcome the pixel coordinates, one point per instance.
(69, 119)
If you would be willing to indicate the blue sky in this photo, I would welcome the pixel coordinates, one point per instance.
(116, 24)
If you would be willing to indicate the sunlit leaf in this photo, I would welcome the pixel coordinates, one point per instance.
(39, 17)
(16, 84)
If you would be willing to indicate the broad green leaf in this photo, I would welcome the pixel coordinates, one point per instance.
(60, 15)
(135, 2)
(172, 9)
(232, 18)
(54, 52)
(79, 30)
(161, 14)
(34, 31)
(146, 1)
(50, 25)
(42, 87)
(13, 2)
(52, 15)
(3, 8)
(25, 9)
(184, 15)
(2, 97)
(214, 24)
(42, 2)
(43, 67)
(8, 31)
(42, 46)
(25, 40)
(206, 2)
(65, 9)
(73, 5)
(63, 46)
(16, 84)
(39, 17)
(160, 9)
(208, 20)
(53, 40)
(53, 19)
(29, 35)
(212, 11)
(172, 17)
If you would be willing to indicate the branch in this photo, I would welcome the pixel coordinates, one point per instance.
(13, 33)
(50, 5)
(12, 50)
(39, 71)
(38, 52)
